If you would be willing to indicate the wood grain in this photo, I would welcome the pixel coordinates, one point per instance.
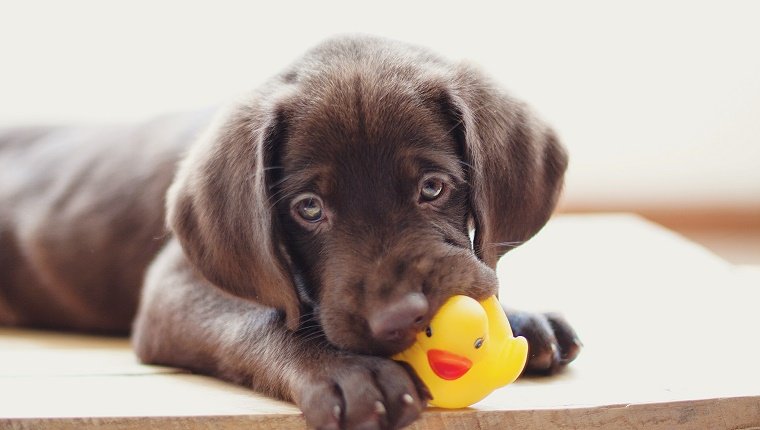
(733, 413)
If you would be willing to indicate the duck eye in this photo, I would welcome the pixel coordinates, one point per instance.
(429, 332)
(431, 189)
(309, 208)
(478, 342)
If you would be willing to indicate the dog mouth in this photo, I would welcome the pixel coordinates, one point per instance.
(361, 341)
(389, 348)
(376, 348)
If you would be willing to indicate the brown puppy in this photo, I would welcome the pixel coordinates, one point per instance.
(316, 226)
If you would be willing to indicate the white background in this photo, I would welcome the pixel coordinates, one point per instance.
(658, 102)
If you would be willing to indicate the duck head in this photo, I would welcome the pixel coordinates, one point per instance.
(456, 339)
(466, 352)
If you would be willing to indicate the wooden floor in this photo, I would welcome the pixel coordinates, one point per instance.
(741, 247)
(670, 334)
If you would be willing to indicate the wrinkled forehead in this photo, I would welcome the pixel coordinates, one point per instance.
(355, 133)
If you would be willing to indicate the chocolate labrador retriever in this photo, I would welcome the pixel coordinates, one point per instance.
(315, 225)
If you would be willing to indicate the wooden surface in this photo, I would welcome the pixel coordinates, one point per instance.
(670, 332)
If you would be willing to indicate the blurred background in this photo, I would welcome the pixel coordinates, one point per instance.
(657, 102)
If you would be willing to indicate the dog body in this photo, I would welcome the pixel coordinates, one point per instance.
(316, 225)
(81, 217)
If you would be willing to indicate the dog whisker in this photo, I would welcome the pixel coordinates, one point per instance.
(280, 198)
(279, 182)
(464, 163)
(505, 244)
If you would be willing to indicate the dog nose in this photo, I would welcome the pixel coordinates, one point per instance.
(394, 321)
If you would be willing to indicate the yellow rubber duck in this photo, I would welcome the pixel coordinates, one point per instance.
(467, 351)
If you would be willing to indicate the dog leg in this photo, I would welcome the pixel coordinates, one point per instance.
(552, 342)
(184, 321)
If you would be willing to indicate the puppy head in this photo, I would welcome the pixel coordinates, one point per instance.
(350, 183)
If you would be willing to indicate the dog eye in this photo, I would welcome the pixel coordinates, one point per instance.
(431, 189)
(310, 208)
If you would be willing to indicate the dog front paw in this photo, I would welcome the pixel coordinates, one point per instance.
(552, 342)
(362, 392)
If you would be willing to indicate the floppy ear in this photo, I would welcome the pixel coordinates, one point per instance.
(517, 165)
(218, 207)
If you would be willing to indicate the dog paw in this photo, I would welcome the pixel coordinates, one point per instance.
(362, 392)
(552, 342)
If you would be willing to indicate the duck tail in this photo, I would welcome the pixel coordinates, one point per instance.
(512, 358)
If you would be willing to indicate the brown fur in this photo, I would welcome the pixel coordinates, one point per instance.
(244, 289)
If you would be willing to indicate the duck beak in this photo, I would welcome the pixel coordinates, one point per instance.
(447, 365)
